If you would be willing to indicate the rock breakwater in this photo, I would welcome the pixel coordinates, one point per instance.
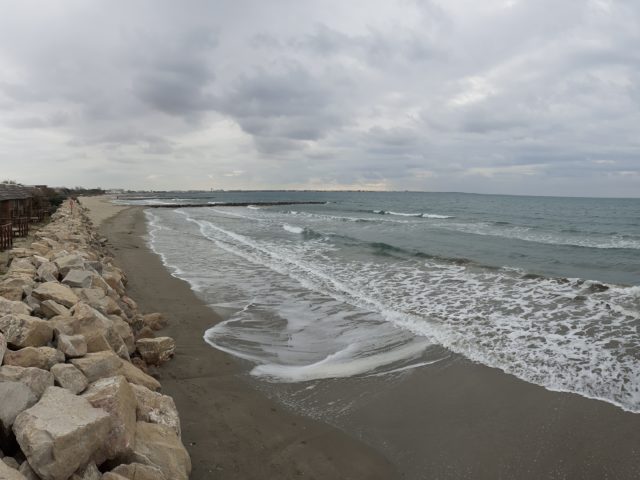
(77, 400)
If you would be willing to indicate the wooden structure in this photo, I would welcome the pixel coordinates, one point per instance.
(19, 206)
(6, 236)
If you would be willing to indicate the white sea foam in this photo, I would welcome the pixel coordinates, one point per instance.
(563, 334)
(417, 215)
(344, 218)
(292, 229)
(253, 207)
(401, 214)
(154, 227)
(344, 363)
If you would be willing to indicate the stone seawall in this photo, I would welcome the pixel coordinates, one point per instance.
(77, 398)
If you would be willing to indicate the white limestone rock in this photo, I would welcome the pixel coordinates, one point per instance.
(153, 407)
(156, 351)
(61, 433)
(115, 396)
(158, 445)
(98, 365)
(57, 292)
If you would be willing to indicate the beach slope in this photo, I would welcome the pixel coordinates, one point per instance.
(231, 430)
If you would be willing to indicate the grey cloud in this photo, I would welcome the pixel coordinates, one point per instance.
(527, 96)
(377, 48)
(280, 109)
(57, 119)
(174, 77)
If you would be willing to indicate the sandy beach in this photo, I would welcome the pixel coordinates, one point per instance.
(455, 420)
(230, 430)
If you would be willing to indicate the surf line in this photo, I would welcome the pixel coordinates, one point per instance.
(233, 204)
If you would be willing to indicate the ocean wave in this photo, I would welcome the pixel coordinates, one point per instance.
(565, 334)
(529, 234)
(418, 215)
(485, 316)
(292, 229)
(342, 218)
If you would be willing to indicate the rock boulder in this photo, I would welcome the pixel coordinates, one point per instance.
(139, 471)
(38, 357)
(26, 470)
(8, 473)
(68, 262)
(37, 379)
(156, 351)
(48, 272)
(153, 407)
(134, 375)
(13, 307)
(77, 278)
(155, 321)
(73, 346)
(158, 445)
(25, 331)
(115, 396)
(61, 433)
(13, 287)
(22, 266)
(90, 472)
(69, 377)
(98, 365)
(57, 292)
(16, 397)
(51, 309)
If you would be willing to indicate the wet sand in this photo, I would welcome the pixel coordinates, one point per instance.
(463, 420)
(451, 420)
(231, 430)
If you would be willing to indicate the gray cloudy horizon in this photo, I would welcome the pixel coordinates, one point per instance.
(501, 96)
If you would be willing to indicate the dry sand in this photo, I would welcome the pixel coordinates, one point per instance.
(231, 430)
(101, 208)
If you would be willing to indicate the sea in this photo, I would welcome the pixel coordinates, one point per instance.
(377, 284)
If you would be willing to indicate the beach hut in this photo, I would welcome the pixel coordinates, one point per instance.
(16, 205)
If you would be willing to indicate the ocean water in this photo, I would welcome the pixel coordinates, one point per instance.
(372, 284)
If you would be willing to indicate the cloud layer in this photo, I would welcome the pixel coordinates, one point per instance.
(500, 96)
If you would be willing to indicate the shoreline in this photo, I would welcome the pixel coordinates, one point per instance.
(229, 428)
(457, 419)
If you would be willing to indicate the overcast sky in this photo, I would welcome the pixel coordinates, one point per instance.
(491, 96)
